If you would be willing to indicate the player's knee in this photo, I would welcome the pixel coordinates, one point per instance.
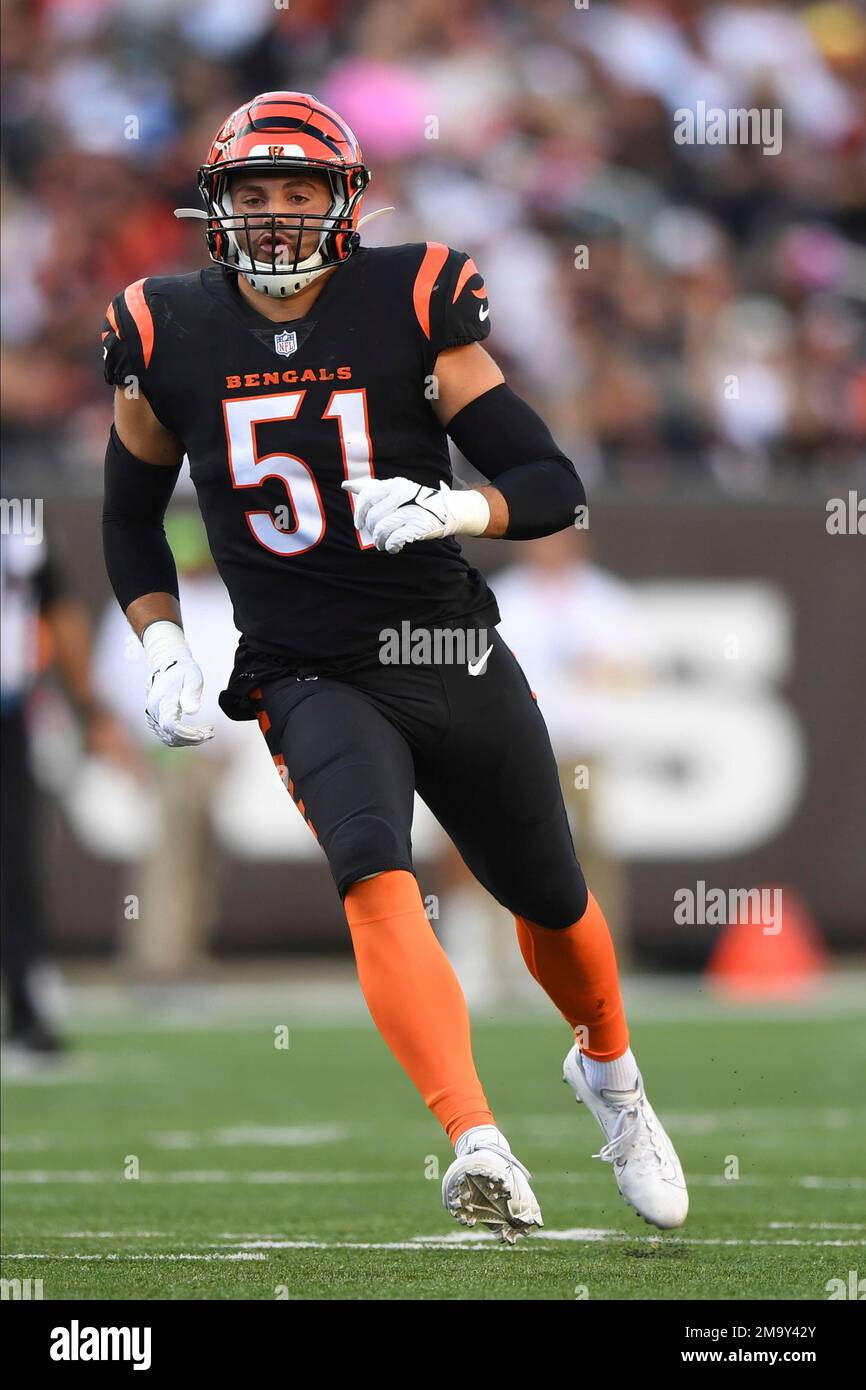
(365, 845)
(558, 903)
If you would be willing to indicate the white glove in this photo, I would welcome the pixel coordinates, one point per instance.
(176, 685)
(395, 512)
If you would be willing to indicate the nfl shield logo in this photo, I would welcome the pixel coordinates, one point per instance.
(286, 343)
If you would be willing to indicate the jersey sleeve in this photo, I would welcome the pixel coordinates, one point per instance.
(128, 336)
(450, 299)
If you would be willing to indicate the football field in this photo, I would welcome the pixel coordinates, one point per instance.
(215, 1162)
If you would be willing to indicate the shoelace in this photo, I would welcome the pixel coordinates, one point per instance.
(617, 1147)
(503, 1153)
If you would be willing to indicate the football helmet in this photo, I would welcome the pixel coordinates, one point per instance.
(289, 131)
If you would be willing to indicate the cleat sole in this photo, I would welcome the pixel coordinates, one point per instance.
(486, 1198)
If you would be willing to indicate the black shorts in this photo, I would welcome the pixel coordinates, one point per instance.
(352, 749)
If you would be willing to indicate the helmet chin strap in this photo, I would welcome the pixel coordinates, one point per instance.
(283, 286)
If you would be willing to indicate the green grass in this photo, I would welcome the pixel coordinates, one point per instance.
(777, 1095)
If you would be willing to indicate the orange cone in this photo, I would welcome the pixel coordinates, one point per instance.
(779, 957)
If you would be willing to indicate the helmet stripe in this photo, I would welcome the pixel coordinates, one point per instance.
(289, 123)
(313, 108)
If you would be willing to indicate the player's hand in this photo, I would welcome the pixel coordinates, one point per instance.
(176, 685)
(396, 511)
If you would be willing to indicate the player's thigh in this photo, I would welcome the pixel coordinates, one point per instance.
(494, 787)
(349, 771)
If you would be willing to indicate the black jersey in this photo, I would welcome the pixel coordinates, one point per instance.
(273, 418)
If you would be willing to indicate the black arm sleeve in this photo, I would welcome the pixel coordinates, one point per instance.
(138, 557)
(510, 444)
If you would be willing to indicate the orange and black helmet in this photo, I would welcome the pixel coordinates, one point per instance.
(283, 131)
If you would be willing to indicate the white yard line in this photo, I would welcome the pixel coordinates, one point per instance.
(276, 1240)
(122, 1258)
(79, 1069)
(460, 1241)
(41, 1175)
(323, 1178)
(816, 1226)
(578, 1236)
(116, 1235)
(243, 1135)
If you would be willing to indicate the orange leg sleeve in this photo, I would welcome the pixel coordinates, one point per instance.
(577, 968)
(415, 997)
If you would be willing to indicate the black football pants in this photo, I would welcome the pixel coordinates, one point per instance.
(352, 750)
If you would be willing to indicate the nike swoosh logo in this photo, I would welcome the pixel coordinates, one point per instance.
(483, 313)
(477, 668)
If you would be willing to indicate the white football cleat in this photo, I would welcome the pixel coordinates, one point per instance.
(645, 1165)
(487, 1183)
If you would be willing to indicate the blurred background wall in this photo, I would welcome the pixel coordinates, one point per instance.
(689, 319)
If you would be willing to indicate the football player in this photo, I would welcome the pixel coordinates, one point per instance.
(313, 383)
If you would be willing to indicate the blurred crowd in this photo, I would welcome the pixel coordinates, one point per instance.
(685, 315)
